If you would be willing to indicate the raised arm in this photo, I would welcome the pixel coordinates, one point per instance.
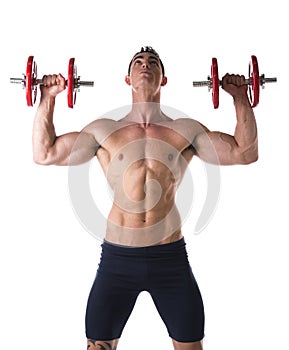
(241, 148)
(58, 150)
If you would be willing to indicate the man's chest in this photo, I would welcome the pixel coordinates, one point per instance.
(134, 155)
(153, 141)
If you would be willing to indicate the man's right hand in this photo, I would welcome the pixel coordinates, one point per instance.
(52, 85)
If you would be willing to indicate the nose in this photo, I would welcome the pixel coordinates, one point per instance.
(146, 64)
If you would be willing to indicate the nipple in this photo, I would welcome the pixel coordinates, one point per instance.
(170, 157)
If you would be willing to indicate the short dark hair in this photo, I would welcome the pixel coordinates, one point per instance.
(151, 50)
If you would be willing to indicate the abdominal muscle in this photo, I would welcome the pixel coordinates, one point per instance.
(144, 211)
(140, 230)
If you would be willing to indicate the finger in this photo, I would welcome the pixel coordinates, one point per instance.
(237, 80)
(61, 80)
(54, 81)
(226, 79)
(51, 80)
(243, 80)
(234, 79)
(47, 81)
(44, 80)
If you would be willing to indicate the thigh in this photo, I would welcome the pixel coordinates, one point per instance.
(178, 300)
(109, 306)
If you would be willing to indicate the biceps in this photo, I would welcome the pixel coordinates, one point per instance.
(216, 148)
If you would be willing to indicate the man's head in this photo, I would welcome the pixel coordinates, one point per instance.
(146, 75)
(150, 50)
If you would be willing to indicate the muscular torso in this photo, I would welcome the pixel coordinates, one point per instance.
(144, 164)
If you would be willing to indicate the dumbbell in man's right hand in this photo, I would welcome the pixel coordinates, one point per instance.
(52, 85)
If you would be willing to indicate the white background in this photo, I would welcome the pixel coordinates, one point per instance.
(48, 260)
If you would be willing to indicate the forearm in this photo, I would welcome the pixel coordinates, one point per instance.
(44, 135)
(246, 130)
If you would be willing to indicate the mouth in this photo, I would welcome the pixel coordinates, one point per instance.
(145, 72)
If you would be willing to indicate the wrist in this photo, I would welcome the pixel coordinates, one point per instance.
(242, 100)
(47, 100)
(45, 108)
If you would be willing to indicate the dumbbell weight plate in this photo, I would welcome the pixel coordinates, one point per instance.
(215, 82)
(31, 76)
(254, 86)
(72, 77)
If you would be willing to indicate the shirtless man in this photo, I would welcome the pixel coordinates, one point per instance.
(144, 156)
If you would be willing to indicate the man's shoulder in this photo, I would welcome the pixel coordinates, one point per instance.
(186, 121)
(103, 128)
(102, 122)
(185, 126)
(180, 121)
(105, 124)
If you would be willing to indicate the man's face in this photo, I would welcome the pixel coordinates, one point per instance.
(146, 69)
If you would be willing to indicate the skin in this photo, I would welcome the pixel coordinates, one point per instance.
(144, 156)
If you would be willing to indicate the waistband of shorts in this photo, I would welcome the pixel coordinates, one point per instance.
(161, 248)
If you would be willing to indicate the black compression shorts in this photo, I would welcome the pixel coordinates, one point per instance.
(164, 272)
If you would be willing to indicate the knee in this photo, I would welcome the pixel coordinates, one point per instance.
(101, 344)
(198, 345)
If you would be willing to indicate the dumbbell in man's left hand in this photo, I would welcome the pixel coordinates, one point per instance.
(236, 86)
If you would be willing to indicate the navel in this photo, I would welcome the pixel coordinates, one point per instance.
(120, 156)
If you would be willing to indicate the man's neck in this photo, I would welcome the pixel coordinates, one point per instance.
(145, 95)
(146, 113)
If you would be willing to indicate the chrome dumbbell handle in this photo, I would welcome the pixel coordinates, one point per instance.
(77, 83)
(264, 80)
(208, 82)
(17, 80)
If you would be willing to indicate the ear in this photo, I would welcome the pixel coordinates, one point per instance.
(127, 80)
(164, 81)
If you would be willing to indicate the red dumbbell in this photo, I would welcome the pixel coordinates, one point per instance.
(254, 82)
(30, 82)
